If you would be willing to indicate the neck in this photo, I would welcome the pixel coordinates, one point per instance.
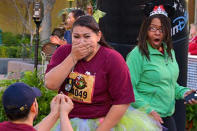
(27, 121)
(160, 49)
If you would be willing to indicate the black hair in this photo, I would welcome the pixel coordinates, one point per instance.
(17, 114)
(77, 13)
(90, 22)
(142, 37)
(58, 32)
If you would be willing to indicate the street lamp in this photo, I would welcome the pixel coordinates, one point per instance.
(37, 17)
(70, 3)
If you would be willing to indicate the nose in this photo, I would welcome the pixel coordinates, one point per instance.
(81, 40)
(157, 32)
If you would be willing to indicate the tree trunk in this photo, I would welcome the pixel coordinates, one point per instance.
(82, 4)
(46, 21)
(25, 18)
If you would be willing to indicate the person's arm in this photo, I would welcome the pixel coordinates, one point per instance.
(113, 117)
(57, 41)
(49, 121)
(65, 107)
(55, 77)
(180, 91)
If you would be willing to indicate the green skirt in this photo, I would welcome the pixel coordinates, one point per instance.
(133, 120)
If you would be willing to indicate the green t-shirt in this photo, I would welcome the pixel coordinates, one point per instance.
(155, 81)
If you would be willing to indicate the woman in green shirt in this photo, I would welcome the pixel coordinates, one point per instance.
(154, 70)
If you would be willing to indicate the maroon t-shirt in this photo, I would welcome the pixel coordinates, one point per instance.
(9, 126)
(112, 81)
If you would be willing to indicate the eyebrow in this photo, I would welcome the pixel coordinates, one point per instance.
(82, 34)
(155, 25)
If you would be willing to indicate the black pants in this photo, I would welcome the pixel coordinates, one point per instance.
(169, 123)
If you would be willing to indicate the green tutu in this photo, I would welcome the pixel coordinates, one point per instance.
(133, 120)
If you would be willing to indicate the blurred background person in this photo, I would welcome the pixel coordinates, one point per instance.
(89, 9)
(193, 39)
(72, 16)
(57, 37)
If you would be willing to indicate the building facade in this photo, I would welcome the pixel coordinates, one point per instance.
(192, 9)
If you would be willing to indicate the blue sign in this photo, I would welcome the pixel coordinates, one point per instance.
(179, 23)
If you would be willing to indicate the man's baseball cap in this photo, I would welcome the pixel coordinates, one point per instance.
(19, 96)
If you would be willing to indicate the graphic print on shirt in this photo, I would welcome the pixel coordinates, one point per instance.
(80, 87)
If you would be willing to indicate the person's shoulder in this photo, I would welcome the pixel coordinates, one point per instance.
(3, 123)
(195, 38)
(63, 49)
(113, 59)
(173, 53)
(60, 54)
(135, 52)
(111, 53)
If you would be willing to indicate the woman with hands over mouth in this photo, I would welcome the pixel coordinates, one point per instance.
(93, 75)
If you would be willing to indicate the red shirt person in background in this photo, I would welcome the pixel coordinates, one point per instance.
(193, 40)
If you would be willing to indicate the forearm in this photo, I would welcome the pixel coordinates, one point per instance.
(55, 77)
(180, 91)
(113, 117)
(47, 123)
(65, 123)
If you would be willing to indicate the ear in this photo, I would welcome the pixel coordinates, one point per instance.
(33, 107)
(99, 34)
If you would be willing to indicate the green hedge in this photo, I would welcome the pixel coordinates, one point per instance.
(10, 39)
(191, 115)
(12, 46)
(43, 101)
(16, 46)
(18, 52)
(10, 52)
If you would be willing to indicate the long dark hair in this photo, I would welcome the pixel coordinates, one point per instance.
(142, 37)
(90, 22)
